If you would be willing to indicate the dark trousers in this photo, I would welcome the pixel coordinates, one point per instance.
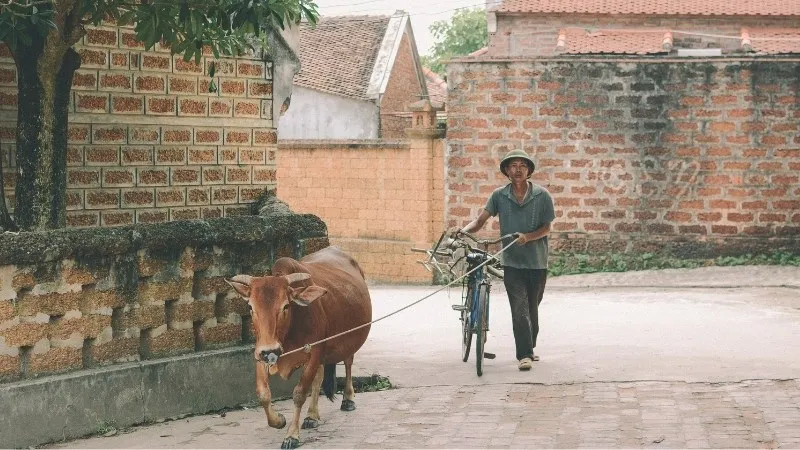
(525, 288)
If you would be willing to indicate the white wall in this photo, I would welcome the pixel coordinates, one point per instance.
(316, 115)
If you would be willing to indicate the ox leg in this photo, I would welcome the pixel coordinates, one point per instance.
(312, 418)
(349, 393)
(299, 395)
(274, 419)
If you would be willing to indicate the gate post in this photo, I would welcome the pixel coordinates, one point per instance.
(427, 150)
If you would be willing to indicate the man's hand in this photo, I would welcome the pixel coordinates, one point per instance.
(522, 238)
(453, 232)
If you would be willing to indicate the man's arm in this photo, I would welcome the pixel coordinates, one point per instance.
(478, 223)
(538, 233)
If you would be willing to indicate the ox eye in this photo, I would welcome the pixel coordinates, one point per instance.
(285, 307)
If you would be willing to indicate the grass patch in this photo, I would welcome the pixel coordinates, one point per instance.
(576, 263)
(372, 383)
(107, 428)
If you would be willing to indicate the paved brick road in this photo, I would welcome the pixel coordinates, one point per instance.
(748, 414)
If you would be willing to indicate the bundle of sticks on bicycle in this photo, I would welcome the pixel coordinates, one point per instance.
(451, 253)
(466, 258)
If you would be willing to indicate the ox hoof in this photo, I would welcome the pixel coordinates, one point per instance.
(290, 442)
(281, 422)
(348, 405)
(310, 423)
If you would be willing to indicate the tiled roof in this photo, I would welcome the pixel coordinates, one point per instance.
(579, 41)
(656, 7)
(780, 40)
(338, 55)
(437, 87)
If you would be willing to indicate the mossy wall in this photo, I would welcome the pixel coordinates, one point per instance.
(74, 299)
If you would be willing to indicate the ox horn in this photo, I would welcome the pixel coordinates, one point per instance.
(293, 278)
(244, 279)
(241, 284)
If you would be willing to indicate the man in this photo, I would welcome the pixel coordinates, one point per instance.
(527, 209)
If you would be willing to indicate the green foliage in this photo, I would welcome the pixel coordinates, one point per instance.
(576, 263)
(463, 34)
(21, 19)
(106, 427)
(372, 383)
(225, 26)
(378, 383)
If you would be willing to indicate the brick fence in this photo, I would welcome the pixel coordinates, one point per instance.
(378, 198)
(148, 142)
(75, 299)
(635, 151)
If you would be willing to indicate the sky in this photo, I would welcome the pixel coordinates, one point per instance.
(423, 13)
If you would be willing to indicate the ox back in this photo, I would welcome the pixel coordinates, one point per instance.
(346, 305)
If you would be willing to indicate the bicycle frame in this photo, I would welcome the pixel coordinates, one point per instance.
(474, 281)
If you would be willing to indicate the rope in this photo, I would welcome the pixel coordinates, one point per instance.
(307, 348)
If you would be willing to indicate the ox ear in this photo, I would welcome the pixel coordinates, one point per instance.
(241, 284)
(304, 296)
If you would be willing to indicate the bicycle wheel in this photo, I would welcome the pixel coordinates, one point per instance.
(466, 327)
(482, 327)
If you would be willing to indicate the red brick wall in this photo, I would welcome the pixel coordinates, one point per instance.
(402, 90)
(148, 142)
(536, 35)
(635, 152)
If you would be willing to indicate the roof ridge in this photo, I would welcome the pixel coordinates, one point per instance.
(734, 8)
(356, 16)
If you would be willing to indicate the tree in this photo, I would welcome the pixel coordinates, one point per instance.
(41, 35)
(462, 35)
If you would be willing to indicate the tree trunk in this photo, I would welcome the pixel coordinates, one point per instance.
(45, 70)
(6, 223)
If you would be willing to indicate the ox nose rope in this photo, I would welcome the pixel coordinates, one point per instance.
(307, 348)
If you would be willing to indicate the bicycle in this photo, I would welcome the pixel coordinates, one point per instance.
(481, 268)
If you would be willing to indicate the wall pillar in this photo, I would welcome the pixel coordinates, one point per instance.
(426, 142)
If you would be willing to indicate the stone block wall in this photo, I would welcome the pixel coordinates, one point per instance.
(75, 299)
(636, 151)
(148, 142)
(378, 199)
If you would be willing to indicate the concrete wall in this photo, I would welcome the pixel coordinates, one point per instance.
(378, 198)
(317, 115)
(532, 35)
(148, 142)
(81, 403)
(636, 152)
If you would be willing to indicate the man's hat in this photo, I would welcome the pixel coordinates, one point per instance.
(518, 153)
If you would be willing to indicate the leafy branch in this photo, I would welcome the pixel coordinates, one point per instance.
(188, 26)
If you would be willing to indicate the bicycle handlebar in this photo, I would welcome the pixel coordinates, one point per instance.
(488, 241)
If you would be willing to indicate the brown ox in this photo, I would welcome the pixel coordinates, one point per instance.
(302, 302)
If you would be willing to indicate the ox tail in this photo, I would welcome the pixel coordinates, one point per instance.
(329, 381)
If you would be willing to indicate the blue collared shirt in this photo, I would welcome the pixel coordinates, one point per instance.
(535, 211)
